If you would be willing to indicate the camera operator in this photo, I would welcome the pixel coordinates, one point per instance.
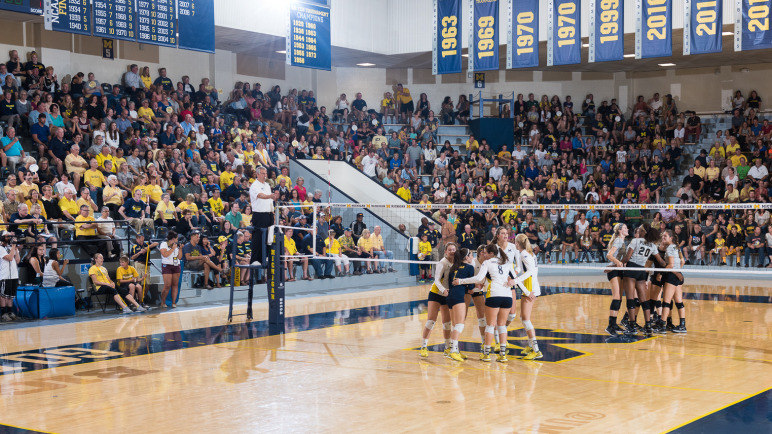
(9, 274)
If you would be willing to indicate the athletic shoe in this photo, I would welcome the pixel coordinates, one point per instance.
(141, 309)
(525, 351)
(679, 329)
(638, 328)
(533, 355)
(6, 317)
(647, 330)
(618, 328)
(624, 321)
(659, 329)
(611, 330)
(446, 353)
(502, 358)
(456, 356)
(463, 356)
(14, 317)
(631, 329)
(485, 357)
(670, 327)
(127, 310)
(423, 352)
(495, 349)
(391, 270)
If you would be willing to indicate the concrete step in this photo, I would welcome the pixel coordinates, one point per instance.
(452, 129)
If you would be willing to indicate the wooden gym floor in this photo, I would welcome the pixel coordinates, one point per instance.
(349, 362)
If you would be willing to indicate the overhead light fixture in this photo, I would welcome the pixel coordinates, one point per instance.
(464, 55)
(629, 55)
(727, 33)
(281, 51)
(366, 64)
(665, 65)
(585, 45)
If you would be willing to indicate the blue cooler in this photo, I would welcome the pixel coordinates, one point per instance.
(37, 302)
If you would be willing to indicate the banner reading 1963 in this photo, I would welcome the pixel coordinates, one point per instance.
(654, 29)
(446, 52)
(523, 34)
(703, 20)
(606, 30)
(752, 20)
(564, 42)
(484, 38)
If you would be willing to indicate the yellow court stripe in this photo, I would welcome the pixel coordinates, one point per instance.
(25, 429)
(717, 410)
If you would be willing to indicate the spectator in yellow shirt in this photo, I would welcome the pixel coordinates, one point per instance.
(365, 246)
(86, 230)
(166, 212)
(376, 240)
(332, 248)
(425, 254)
(404, 192)
(471, 144)
(75, 164)
(405, 104)
(290, 249)
(105, 155)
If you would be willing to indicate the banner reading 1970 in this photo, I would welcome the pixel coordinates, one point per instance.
(752, 20)
(523, 34)
(446, 52)
(606, 30)
(654, 29)
(484, 38)
(564, 42)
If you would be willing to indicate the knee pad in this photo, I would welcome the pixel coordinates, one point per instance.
(616, 304)
(481, 322)
(501, 330)
(647, 305)
(511, 317)
(679, 305)
(668, 305)
(637, 302)
(630, 304)
(527, 325)
(446, 326)
(429, 324)
(490, 329)
(458, 327)
(658, 303)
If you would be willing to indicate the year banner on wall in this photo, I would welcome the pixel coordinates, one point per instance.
(564, 41)
(156, 22)
(703, 21)
(654, 29)
(484, 36)
(72, 16)
(446, 52)
(523, 34)
(751, 28)
(115, 19)
(196, 24)
(308, 36)
(606, 30)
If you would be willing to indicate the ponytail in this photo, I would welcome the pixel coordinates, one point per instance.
(494, 250)
(617, 229)
(458, 261)
(523, 241)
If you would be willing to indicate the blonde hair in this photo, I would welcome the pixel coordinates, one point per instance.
(523, 241)
(616, 230)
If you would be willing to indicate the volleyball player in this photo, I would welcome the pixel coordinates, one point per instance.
(462, 268)
(513, 256)
(479, 291)
(640, 249)
(655, 287)
(615, 254)
(498, 300)
(673, 286)
(529, 285)
(437, 302)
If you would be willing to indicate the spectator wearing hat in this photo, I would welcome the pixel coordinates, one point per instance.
(357, 226)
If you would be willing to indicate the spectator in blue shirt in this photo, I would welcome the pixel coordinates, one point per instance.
(12, 153)
(41, 133)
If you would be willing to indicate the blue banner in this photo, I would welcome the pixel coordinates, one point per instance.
(566, 33)
(115, 19)
(523, 44)
(703, 20)
(484, 46)
(606, 31)
(71, 16)
(156, 22)
(755, 33)
(196, 24)
(308, 36)
(654, 32)
(446, 53)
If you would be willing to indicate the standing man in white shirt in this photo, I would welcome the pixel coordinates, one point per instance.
(369, 163)
(261, 197)
(9, 274)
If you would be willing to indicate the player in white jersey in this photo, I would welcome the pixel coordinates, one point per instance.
(639, 251)
(498, 300)
(673, 286)
(528, 282)
(616, 252)
(437, 302)
(480, 289)
(513, 256)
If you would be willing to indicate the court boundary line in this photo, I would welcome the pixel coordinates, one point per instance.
(690, 421)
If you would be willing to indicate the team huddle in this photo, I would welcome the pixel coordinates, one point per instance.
(489, 280)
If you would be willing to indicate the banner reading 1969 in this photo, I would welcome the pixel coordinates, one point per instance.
(703, 20)
(446, 51)
(654, 29)
(752, 20)
(523, 34)
(606, 30)
(484, 38)
(564, 41)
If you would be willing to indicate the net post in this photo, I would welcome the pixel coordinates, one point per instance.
(232, 281)
(275, 282)
(250, 293)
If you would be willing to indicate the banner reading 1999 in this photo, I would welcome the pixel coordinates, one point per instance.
(703, 20)
(484, 39)
(523, 35)
(654, 29)
(446, 52)
(752, 21)
(606, 30)
(564, 44)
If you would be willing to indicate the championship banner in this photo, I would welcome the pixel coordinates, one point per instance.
(564, 42)
(523, 34)
(752, 30)
(446, 52)
(654, 29)
(308, 41)
(606, 30)
(703, 20)
(484, 37)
